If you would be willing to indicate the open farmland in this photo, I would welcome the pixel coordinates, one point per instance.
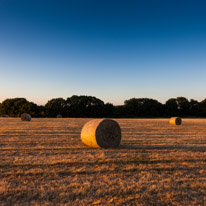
(43, 162)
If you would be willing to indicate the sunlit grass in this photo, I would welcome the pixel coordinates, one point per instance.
(43, 162)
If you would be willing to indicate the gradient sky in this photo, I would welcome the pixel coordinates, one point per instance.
(112, 49)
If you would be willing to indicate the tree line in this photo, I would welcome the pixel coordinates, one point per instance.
(89, 106)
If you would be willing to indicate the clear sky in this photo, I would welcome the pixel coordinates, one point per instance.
(112, 49)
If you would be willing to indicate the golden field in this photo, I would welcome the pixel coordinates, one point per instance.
(43, 162)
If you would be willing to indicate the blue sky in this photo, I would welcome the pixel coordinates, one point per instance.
(114, 50)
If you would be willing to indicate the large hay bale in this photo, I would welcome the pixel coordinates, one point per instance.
(176, 121)
(26, 117)
(104, 133)
(59, 116)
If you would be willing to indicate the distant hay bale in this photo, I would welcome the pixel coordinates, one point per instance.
(59, 116)
(105, 133)
(26, 117)
(176, 121)
(4, 115)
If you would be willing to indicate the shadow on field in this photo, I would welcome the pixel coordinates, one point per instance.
(64, 172)
(139, 160)
(187, 147)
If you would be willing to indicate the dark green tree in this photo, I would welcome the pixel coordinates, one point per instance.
(171, 106)
(183, 106)
(84, 106)
(194, 108)
(109, 110)
(55, 106)
(15, 107)
(203, 108)
(120, 111)
(143, 107)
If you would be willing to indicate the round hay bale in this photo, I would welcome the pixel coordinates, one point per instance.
(105, 133)
(26, 117)
(176, 121)
(59, 116)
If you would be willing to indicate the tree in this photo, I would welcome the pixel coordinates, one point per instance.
(109, 110)
(143, 107)
(132, 107)
(120, 111)
(203, 108)
(194, 108)
(183, 106)
(1, 109)
(89, 106)
(55, 106)
(15, 107)
(172, 107)
(84, 106)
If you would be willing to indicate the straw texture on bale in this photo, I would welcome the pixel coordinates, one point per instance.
(105, 133)
(59, 116)
(176, 121)
(26, 117)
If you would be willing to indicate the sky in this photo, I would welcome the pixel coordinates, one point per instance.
(111, 49)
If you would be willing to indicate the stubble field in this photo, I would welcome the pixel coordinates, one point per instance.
(43, 162)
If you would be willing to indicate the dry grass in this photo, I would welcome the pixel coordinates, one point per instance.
(43, 162)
